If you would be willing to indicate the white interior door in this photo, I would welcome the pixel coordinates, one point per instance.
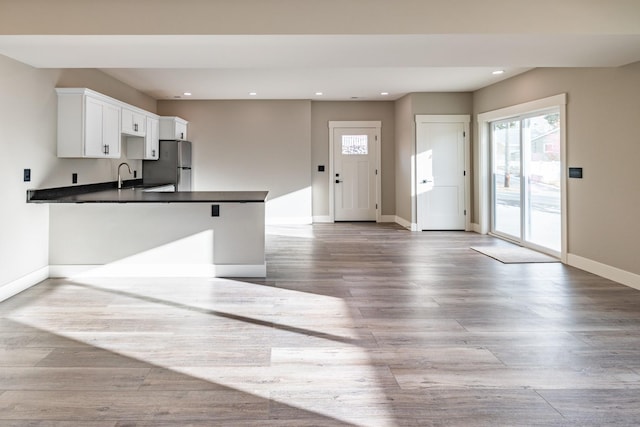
(440, 174)
(354, 174)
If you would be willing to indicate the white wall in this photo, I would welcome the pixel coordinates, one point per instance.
(603, 108)
(27, 138)
(252, 145)
(407, 108)
(324, 111)
(405, 143)
(28, 117)
(277, 146)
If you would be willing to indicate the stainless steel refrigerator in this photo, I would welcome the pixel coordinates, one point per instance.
(172, 167)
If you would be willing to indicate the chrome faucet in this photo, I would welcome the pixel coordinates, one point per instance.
(120, 177)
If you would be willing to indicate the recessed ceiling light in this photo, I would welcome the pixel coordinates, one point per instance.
(253, 93)
(384, 93)
(187, 94)
(498, 72)
(319, 94)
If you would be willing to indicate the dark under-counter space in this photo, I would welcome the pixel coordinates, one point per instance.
(138, 193)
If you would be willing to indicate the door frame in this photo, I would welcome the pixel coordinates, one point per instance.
(465, 119)
(376, 125)
(484, 159)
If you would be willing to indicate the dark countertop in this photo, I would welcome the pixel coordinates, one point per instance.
(104, 193)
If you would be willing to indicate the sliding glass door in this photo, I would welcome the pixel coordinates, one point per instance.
(526, 170)
(507, 205)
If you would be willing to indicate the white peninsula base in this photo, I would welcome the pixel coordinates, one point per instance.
(157, 239)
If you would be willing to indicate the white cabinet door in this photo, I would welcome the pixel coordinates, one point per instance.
(93, 141)
(111, 130)
(133, 122)
(152, 145)
(181, 130)
(102, 129)
(173, 128)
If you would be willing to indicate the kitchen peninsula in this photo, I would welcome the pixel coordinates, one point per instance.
(98, 230)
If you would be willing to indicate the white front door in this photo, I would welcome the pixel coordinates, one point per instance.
(354, 174)
(440, 174)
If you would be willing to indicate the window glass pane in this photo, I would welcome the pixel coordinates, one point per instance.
(542, 144)
(506, 177)
(355, 144)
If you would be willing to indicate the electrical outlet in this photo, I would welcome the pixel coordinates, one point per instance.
(74, 178)
(27, 175)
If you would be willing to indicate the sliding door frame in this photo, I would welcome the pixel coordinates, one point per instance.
(484, 158)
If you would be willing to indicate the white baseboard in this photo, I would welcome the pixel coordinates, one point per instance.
(237, 270)
(286, 220)
(327, 219)
(322, 219)
(608, 272)
(158, 270)
(25, 282)
(403, 222)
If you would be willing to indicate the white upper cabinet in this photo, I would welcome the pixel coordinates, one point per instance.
(88, 124)
(173, 128)
(93, 125)
(146, 147)
(133, 122)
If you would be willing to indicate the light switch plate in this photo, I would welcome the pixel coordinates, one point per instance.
(575, 172)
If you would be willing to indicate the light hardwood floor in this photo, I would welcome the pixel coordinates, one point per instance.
(356, 324)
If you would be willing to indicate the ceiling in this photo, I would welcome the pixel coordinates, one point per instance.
(341, 67)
